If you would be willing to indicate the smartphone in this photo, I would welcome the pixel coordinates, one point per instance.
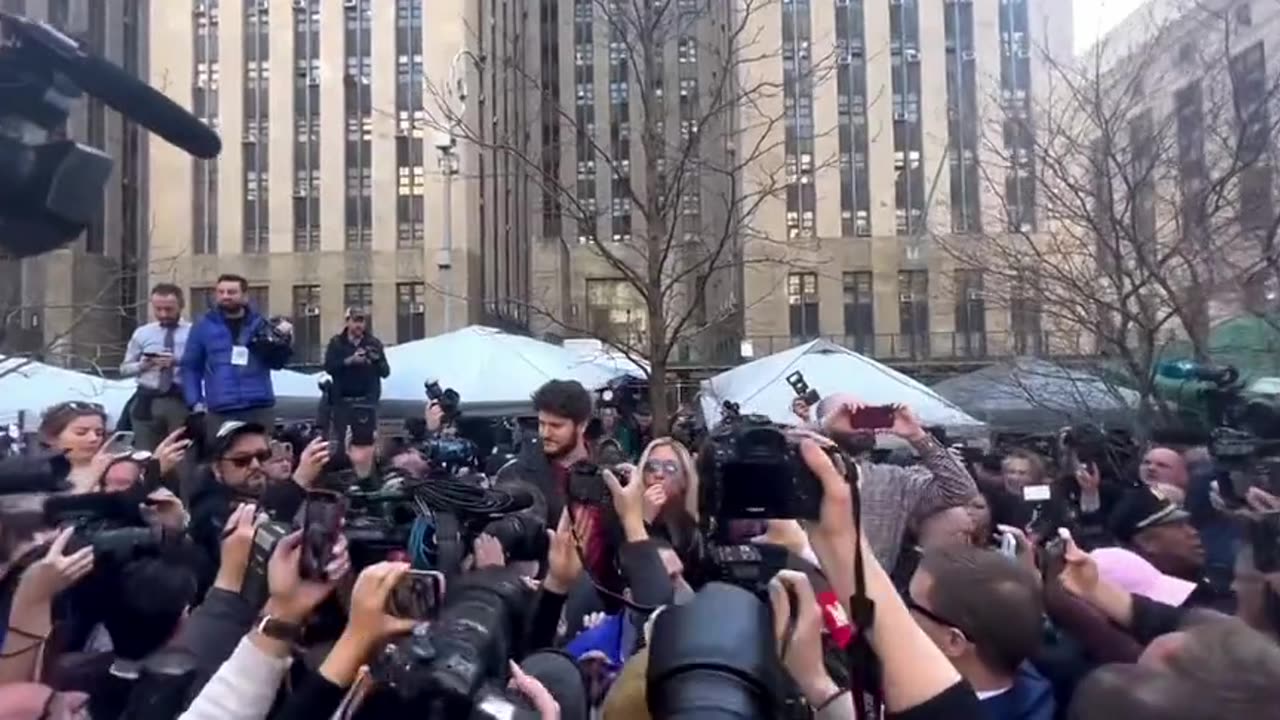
(321, 523)
(118, 443)
(873, 417)
(417, 596)
(1037, 493)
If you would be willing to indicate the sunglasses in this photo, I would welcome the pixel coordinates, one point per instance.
(666, 467)
(921, 610)
(244, 461)
(77, 407)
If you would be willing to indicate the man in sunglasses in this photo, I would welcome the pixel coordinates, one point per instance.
(236, 473)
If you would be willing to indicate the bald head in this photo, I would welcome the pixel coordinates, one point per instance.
(1164, 466)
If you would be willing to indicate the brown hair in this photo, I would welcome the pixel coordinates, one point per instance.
(56, 418)
(993, 600)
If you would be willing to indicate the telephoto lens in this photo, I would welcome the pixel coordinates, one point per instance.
(715, 658)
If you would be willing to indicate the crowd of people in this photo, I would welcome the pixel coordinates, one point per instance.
(177, 576)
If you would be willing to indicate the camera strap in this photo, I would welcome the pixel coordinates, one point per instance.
(864, 666)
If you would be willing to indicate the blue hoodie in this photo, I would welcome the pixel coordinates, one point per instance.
(208, 375)
(1030, 698)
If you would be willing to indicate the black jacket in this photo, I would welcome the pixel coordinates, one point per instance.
(358, 380)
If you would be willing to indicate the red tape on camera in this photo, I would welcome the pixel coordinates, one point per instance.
(836, 619)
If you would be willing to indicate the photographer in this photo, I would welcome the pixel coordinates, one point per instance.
(357, 363)
(230, 353)
(892, 495)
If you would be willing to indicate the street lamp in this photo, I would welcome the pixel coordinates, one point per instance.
(446, 145)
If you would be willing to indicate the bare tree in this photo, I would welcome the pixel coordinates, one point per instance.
(24, 344)
(1151, 166)
(683, 187)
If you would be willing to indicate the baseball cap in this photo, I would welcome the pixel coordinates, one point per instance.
(229, 431)
(1142, 508)
(1132, 573)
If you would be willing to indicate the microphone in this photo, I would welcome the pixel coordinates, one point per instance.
(126, 94)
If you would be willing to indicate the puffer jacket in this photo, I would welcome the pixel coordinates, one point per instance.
(208, 375)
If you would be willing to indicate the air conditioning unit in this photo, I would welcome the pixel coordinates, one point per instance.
(250, 138)
(313, 80)
(418, 308)
(299, 193)
(199, 9)
(968, 55)
(975, 295)
(911, 55)
(906, 298)
(899, 114)
(1023, 53)
(311, 311)
(299, 4)
(349, 4)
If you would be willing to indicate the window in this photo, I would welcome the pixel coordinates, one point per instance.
(359, 120)
(802, 298)
(204, 208)
(257, 100)
(1024, 315)
(1015, 101)
(260, 299)
(616, 313)
(552, 203)
(859, 312)
(306, 149)
(204, 103)
(962, 119)
(307, 339)
(908, 138)
(913, 313)
(797, 86)
(1244, 15)
(359, 295)
(851, 107)
(411, 312)
(971, 314)
(202, 299)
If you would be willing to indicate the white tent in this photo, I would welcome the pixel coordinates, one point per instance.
(28, 387)
(293, 384)
(761, 388)
(594, 351)
(487, 367)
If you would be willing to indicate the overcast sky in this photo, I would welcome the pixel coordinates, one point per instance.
(1095, 17)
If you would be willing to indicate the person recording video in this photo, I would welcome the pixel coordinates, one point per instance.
(230, 353)
(357, 362)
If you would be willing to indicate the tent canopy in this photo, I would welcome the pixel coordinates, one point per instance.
(486, 366)
(761, 388)
(27, 388)
(1035, 395)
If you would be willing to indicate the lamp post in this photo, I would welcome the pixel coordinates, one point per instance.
(446, 144)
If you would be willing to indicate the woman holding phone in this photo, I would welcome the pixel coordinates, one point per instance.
(78, 430)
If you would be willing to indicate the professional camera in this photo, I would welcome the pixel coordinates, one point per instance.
(751, 468)
(447, 455)
(447, 398)
(586, 485)
(272, 333)
(715, 657)
(458, 662)
(52, 189)
(254, 588)
(625, 394)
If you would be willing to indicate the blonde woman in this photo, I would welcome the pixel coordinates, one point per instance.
(671, 482)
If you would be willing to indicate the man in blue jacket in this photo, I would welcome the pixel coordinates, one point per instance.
(230, 353)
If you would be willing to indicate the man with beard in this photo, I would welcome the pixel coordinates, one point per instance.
(237, 474)
(226, 368)
(564, 409)
(892, 495)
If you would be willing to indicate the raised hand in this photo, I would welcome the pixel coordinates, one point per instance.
(47, 577)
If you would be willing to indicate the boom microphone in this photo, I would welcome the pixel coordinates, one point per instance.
(108, 82)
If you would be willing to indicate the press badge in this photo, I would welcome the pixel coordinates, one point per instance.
(239, 355)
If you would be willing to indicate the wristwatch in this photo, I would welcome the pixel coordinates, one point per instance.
(278, 629)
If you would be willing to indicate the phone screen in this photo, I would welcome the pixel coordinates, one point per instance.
(321, 522)
(121, 442)
(873, 417)
(1037, 493)
(417, 596)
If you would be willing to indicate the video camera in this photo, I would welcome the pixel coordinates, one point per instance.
(456, 665)
(51, 190)
(447, 398)
(625, 394)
